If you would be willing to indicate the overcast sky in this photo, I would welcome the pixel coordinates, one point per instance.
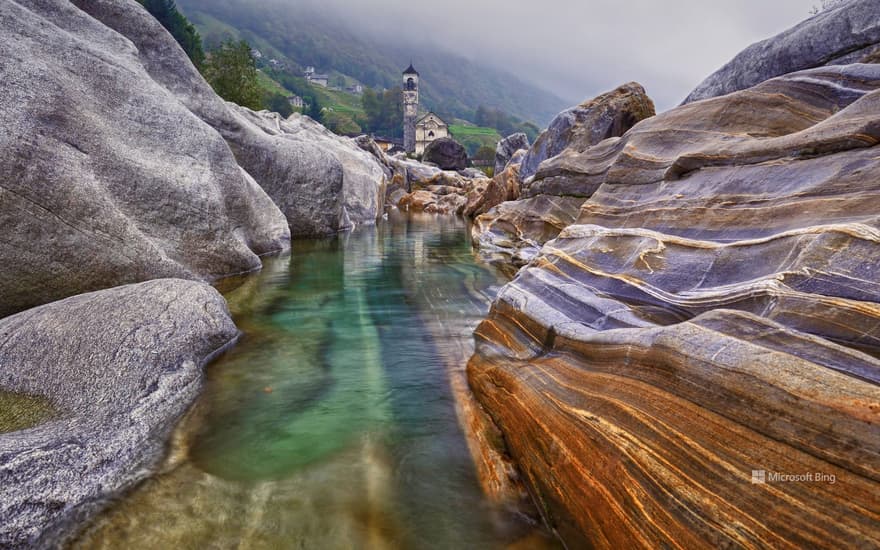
(579, 48)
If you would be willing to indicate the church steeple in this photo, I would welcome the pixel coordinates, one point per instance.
(410, 107)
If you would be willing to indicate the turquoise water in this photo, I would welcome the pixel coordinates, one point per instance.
(332, 423)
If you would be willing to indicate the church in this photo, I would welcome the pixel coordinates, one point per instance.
(418, 132)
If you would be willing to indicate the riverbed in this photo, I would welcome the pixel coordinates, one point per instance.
(334, 422)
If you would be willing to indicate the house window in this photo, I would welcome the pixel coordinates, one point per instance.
(410, 84)
(430, 134)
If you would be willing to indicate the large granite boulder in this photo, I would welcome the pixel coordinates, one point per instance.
(447, 154)
(608, 115)
(358, 182)
(848, 33)
(508, 147)
(323, 183)
(119, 367)
(695, 361)
(106, 177)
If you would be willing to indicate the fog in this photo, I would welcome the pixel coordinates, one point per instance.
(579, 48)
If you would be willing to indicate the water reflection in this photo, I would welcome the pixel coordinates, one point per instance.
(332, 423)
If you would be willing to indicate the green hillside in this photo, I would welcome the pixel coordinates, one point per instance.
(452, 87)
(474, 137)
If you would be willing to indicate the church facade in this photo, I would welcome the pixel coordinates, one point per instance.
(429, 128)
(418, 132)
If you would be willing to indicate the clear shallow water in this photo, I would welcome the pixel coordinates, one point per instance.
(332, 423)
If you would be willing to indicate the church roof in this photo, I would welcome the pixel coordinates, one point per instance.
(411, 70)
(431, 114)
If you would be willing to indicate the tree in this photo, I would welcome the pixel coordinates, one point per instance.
(384, 111)
(484, 153)
(166, 12)
(232, 72)
(278, 103)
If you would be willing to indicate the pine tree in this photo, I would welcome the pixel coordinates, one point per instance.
(166, 12)
(232, 72)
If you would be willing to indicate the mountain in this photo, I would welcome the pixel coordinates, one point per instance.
(301, 36)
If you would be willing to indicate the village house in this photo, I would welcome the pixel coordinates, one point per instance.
(312, 77)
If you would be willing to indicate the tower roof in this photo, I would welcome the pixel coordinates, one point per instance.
(411, 70)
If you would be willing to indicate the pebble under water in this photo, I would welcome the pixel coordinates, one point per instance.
(332, 423)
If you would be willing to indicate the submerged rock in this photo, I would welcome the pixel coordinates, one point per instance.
(848, 33)
(608, 115)
(120, 367)
(447, 154)
(713, 311)
(106, 178)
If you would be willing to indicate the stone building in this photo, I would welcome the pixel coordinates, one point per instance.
(418, 132)
(429, 128)
(410, 107)
(314, 78)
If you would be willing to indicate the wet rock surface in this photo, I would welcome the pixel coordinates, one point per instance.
(713, 310)
(119, 368)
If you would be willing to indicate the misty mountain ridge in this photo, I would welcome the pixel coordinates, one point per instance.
(304, 35)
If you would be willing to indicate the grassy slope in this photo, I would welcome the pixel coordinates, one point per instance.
(474, 137)
(271, 86)
(341, 102)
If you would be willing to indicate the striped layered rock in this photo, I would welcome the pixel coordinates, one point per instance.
(512, 233)
(713, 311)
(608, 115)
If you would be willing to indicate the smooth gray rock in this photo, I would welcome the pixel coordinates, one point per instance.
(106, 178)
(839, 36)
(336, 172)
(446, 153)
(320, 182)
(120, 366)
(506, 149)
(608, 115)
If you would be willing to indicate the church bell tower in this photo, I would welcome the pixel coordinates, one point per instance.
(410, 107)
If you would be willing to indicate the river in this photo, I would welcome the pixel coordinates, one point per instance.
(333, 422)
